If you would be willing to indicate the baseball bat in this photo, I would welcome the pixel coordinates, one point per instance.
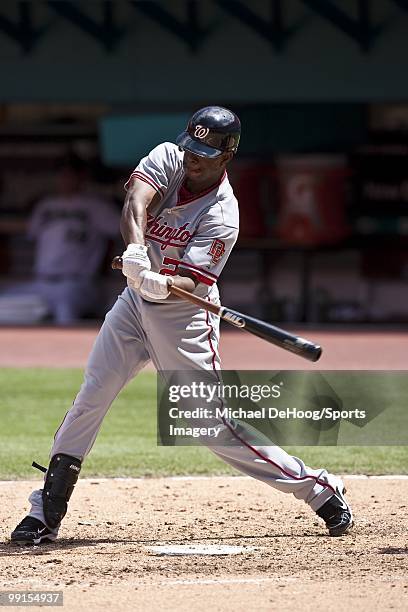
(275, 335)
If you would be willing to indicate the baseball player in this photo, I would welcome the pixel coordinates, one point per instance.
(71, 229)
(179, 224)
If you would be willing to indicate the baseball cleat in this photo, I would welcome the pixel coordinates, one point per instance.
(32, 531)
(337, 514)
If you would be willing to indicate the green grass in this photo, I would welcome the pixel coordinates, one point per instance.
(34, 401)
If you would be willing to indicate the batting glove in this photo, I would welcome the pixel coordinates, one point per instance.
(155, 286)
(135, 261)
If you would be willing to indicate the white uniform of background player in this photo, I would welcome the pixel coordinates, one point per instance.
(71, 229)
(185, 233)
(71, 233)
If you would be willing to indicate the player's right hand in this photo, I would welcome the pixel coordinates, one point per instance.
(135, 260)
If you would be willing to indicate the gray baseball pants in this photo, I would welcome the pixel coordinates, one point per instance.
(173, 337)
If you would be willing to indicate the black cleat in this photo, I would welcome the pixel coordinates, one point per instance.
(337, 514)
(32, 531)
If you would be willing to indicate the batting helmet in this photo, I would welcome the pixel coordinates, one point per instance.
(211, 131)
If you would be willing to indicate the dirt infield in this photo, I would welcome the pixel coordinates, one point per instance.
(101, 560)
(59, 347)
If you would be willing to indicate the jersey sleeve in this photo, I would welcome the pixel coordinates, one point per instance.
(209, 249)
(157, 168)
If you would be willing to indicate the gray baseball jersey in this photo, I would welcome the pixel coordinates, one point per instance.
(191, 231)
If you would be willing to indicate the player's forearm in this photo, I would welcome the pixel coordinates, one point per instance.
(133, 220)
(184, 282)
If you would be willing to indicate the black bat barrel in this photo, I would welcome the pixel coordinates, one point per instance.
(275, 335)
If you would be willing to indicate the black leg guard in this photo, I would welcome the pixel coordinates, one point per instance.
(59, 483)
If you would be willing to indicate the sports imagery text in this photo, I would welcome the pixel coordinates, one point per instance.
(217, 394)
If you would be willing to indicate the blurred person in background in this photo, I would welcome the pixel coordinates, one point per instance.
(71, 229)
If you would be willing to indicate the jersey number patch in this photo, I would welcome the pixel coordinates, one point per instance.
(170, 266)
(217, 250)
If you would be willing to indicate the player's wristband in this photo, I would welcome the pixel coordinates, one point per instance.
(135, 249)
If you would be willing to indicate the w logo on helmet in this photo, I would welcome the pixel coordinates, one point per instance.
(201, 131)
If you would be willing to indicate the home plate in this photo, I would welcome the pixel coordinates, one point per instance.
(198, 549)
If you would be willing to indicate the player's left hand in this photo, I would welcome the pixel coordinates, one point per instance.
(135, 261)
(155, 286)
